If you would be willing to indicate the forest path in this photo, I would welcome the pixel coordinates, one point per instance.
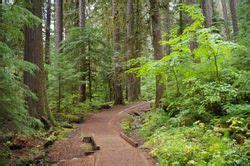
(105, 127)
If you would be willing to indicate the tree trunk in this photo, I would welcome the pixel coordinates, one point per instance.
(33, 52)
(225, 16)
(59, 38)
(207, 9)
(193, 43)
(47, 32)
(82, 22)
(1, 18)
(158, 50)
(82, 14)
(47, 59)
(133, 93)
(181, 21)
(168, 27)
(89, 72)
(232, 4)
(138, 46)
(117, 80)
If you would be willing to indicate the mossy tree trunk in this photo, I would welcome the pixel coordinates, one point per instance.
(82, 22)
(207, 9)
(117, 66)
(33, 52)
(59, 38)
(133, 82)
(232, 4)
(158, 49)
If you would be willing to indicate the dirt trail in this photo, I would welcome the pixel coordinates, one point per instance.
(105, 127)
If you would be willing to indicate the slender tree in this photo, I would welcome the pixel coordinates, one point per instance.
(167, 27)
(33, 52)
(181, 20)
(47, 58)
(138, 41)
(207, 10)
(89, 72)
(158, 50)
(193, 43)
(232, 4)
(82, 22)
(117, 80)
(59, 38)
(225, 16)
(47, 32)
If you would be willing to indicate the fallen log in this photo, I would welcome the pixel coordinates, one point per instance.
(129, 140)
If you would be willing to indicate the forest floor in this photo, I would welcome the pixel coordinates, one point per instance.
(105, 128)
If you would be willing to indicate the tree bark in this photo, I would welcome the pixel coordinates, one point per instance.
(225, 16)
(47, 59)
(117, 80)
(33, 52)
(158, 50)
(89, 73)
(167, 27)
(133, 92)
(139, 40)
(181, 21)
(232, 4)
(82, 22)
(47, 32)
(193, 43)
(59, 38)
(207, 9)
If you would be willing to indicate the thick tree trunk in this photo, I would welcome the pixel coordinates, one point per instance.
(59, 38)
(207, 9)
(232, 4)
(133, 93)
(117, 80)
(33, 52)
(225, 16)
(82, 22)
(158, 50)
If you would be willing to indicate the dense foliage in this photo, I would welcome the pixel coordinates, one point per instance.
(194, 67)
(205, 112)
(14, 116)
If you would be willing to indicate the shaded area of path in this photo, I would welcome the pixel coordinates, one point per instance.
(105, 127)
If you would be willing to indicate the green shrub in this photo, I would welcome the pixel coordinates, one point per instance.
(196, 145)
(152, 121)
(128, 125)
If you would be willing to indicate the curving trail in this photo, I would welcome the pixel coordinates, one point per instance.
(105, 127)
